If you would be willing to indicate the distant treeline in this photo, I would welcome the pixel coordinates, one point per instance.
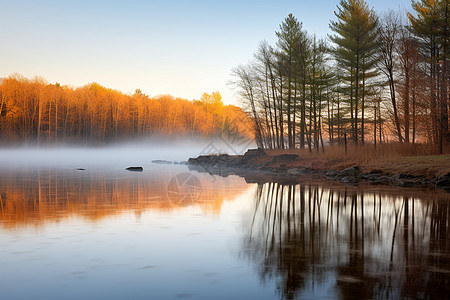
(376, 78)
(33, 111)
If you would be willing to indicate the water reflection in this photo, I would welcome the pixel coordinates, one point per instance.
(151, 235)
(37, 196)
(114, 234)
(350, 244)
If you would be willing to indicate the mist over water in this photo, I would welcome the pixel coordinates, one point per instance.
(117, 156)
(170, 233)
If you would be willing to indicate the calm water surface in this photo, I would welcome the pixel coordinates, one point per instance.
(168, 233)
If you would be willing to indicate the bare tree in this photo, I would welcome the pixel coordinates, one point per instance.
(388, 34)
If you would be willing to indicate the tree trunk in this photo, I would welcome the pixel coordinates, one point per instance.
(356, 98)
(406, 104)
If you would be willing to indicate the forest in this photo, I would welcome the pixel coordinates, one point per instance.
(34, 112)
(377, 78)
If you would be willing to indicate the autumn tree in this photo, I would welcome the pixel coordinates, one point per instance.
(34, 111)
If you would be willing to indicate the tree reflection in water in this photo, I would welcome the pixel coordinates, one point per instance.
(361, 244)
(35, 197)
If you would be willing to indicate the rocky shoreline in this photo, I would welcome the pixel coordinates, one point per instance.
(259, 167)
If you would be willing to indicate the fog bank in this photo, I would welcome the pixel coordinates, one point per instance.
(117, 155)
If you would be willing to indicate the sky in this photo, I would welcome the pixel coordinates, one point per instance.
(182, 48)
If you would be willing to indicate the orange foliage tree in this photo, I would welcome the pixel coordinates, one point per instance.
(33, 111)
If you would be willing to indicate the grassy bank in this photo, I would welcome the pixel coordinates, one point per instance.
(392, 158)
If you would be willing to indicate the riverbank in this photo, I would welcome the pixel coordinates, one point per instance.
(258, 165)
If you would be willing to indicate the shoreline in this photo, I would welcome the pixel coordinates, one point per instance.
(260, 166)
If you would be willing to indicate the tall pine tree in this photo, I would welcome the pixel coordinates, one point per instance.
(355, 46)
(430, 24)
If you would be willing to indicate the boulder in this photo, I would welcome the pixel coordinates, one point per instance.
(135, 169)
(371, 176)
(377, 178)
(349, 172)
(443, 182)
(331, 174)
(215, 161)
(408, 180)
(255, 153)
(252, 154)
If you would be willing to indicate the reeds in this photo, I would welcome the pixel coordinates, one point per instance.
(389, 156)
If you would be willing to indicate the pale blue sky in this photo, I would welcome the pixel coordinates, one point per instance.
(183, 48)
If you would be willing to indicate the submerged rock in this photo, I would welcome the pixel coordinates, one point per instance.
(135, 169)
(162, 162)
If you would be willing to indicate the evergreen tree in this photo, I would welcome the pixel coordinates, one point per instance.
(431, 27)
(355, 46)
(289, 42)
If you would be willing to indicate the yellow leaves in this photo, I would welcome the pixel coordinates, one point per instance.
(212, 102)
(96, 114)
(95, 87)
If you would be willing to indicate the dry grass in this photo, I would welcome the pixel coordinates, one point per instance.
(429, 166)
(418, 159)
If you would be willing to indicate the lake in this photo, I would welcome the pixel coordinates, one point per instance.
(172, 233)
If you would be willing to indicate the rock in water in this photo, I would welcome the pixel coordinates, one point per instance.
(162, 162)
(443, 182)
(135, 169)
(349, 172)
